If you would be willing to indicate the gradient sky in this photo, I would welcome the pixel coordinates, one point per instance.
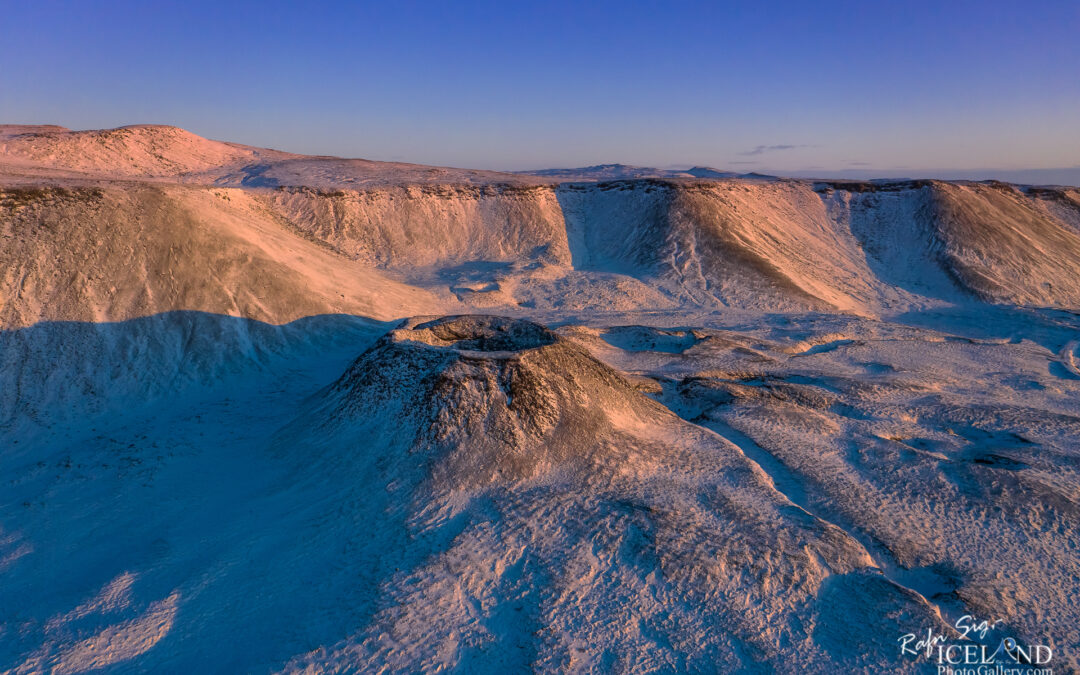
(782, 86)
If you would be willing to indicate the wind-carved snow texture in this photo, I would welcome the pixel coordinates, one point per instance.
(680, 424)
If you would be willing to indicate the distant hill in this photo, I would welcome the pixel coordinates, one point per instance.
(627, 172)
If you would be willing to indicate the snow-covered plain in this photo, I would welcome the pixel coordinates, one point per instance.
(269, 413)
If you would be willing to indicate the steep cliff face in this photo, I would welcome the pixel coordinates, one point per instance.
(896, 239)
(963, 242)
(676, 237)
(750, 245)
(403, 239)
(1008, 246)
(123, 251)
(791, 245)
(765, 245)
(419, 226)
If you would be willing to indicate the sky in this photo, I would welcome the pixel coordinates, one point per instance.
(786, 87)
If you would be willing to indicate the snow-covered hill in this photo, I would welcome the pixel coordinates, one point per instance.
(140, 151)
(159, 152)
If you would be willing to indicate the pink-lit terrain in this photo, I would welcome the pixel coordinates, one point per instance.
(265, 412)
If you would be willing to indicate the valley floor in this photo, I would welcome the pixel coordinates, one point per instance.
(159, 514)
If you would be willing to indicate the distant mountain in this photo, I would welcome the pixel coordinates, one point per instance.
(628, 172)
(603, 172)
(1066, 176)
(709, 172)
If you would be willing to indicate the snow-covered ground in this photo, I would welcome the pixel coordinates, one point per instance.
(730, 425)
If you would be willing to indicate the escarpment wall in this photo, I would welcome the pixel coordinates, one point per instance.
(417, 226)
(129, 249)
(1009, 246)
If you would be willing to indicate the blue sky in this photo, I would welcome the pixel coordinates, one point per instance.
(783, 86)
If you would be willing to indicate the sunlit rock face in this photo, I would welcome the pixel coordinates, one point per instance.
(120, 224)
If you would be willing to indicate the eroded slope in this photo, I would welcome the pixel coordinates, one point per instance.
(117, 252)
